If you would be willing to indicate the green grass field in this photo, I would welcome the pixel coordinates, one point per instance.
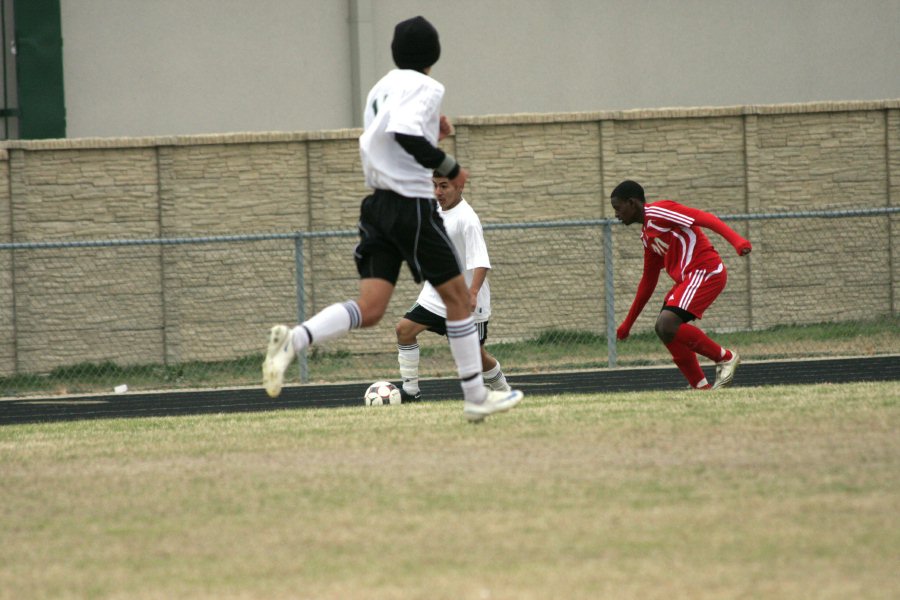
(780, 492)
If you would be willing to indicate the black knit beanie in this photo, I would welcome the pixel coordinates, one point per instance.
(416, 45)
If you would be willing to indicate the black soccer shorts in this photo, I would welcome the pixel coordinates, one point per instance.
(438, 324)
(394, 229)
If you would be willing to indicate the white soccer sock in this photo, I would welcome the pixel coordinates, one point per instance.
(494, 378)
(408, 357)
(329, 323)
(463, 337)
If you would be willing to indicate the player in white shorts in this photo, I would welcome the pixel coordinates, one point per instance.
(429, 312)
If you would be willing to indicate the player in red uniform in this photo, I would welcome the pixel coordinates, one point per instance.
(673, 240)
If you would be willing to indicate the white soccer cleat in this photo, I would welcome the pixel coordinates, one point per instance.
(279, 357)
(494, 402)
(725, 371)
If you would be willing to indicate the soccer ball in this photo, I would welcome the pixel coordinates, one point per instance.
(382, 392)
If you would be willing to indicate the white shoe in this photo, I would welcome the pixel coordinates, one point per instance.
(494, 402)
(725, 371)
(279, 357)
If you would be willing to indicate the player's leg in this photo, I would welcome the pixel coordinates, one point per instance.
(378, 263)
(462, 334)
(726, 360)
(695, 339)
(463, 337)
(490, 366)
(668, 323)
(492, 373)
(688, 301)
(336, 320)
(686, 361)
(328, 324)
(408, 330)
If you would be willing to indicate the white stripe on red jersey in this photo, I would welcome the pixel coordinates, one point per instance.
(670, 215)
(670, 233)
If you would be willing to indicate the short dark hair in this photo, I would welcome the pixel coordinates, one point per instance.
(628, 189)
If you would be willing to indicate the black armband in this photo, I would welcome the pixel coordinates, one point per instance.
(425, 154)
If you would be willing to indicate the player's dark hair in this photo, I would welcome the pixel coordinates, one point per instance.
(628, 189)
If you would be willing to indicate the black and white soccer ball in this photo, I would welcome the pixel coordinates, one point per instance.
(381, 393)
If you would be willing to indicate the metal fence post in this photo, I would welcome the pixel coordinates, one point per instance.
(609, 293)
(301, 305)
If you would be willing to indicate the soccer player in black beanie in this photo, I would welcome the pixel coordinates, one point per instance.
(399, 222)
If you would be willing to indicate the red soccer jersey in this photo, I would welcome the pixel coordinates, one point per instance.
(672, 239)
(671, 235)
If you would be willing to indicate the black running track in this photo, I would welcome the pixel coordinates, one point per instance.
(197, 402)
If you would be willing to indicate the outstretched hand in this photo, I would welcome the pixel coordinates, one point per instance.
(445, 128)
(742, 246)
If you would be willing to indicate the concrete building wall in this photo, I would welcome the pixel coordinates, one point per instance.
(169, 67)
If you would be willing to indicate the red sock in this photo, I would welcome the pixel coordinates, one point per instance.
(700, 343)
(687, 363)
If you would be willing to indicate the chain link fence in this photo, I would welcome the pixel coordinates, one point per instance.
(90, 316)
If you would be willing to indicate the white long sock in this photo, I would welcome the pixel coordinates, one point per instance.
(408, 357)
(329, 323)
(463, 337)
(495, 379)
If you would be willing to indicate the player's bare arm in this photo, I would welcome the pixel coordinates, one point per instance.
(478, 277)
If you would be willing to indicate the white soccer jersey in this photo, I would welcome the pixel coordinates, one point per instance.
(408, 102)
(464, 228)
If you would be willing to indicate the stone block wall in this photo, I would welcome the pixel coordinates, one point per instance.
(7, 266)
(892, 152)
(175, 303)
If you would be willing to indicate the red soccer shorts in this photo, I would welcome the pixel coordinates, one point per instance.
(698, 290)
